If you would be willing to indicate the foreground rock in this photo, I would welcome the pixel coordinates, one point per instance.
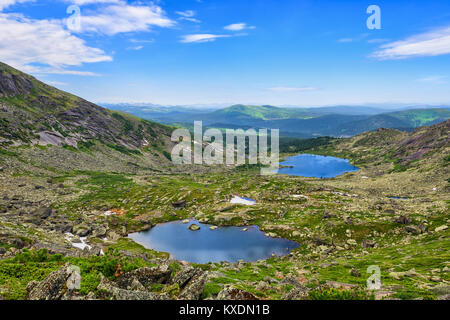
(145, 276)
(111, 291)
(299, 292)
(187, 284)
(55, 287)
(230, 293)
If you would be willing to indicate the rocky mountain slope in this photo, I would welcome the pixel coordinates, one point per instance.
(421, 147)
(34, 112)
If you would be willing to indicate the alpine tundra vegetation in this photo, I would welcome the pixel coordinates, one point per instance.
(76, 179)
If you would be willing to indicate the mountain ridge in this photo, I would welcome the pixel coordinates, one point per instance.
(304, 122)
(51, 116)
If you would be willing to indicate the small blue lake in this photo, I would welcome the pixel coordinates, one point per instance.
(206, 245)
(310, 165)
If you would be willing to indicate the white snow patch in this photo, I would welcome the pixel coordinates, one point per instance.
(296, 196)
(243, 201)
(81, 245)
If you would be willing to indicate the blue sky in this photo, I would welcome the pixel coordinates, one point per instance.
(279, 52)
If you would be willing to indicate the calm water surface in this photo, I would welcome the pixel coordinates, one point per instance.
(205, 245)
(310, 165)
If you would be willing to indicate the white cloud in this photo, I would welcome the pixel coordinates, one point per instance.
(345, 40)
(186, 14)
(190, 19)
(377, 40)
(142, 40)
(7, 3)
(433, 79)
(202, 37)
(238, 27)
(84, 2)
(44, 46)
(292, 89)
(136, 48)
(55, 83)
(121, 17)
(431, 43)
(355, 39)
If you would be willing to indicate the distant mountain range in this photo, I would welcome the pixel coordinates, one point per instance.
(338, 121)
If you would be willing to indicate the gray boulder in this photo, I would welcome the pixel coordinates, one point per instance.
(194, 288)
(299, 292)
(51, 288)
(111, 291)
(146, 276)
(230, 293)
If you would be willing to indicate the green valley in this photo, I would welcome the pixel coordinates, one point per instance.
(77, 179)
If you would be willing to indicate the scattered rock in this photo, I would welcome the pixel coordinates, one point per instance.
(262, 286)
(113, 236)
(42, 213)
(186, 274)
(99, 232)
(355, 272)
(412, 229)
(441, 228)
(328, 215)
(53, 287)
(136, 286)
(179, 204)
(435, 279)
(299, 292)
(111, 291)
(194, 227)
(146, 276)
(368, 243)
(230, 293)
(81, 230)
(402, 220)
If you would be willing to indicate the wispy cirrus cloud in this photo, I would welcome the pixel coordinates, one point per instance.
(88, 2)
(238, 27)
(355, 39)
(202, 37)
(122, 17)
(136, 48)
(428, 44)
(378, 40)
(187, 15)
(292, 89)
(434, 79)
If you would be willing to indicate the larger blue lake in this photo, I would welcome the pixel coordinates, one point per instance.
(206, 245)
(310, 165)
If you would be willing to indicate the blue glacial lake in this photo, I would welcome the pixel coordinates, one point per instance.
(310, 165)
(205, 245)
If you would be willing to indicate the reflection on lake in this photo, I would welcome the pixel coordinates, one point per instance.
(206, 245)
(310, 165)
